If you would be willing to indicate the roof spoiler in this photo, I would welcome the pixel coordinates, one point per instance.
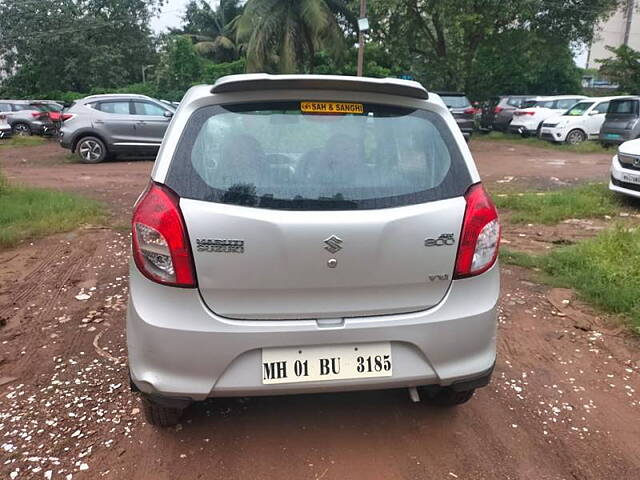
(263, 81)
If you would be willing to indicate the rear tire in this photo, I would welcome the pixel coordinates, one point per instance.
(91, 150)
(21, 130)
(447, 397)
(159, 415)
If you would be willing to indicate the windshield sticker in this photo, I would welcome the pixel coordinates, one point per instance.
(332, 107)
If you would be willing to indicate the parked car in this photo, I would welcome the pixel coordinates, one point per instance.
(625, 169)
(53, 108)
(581, 122)
(462, 110)
(100, 126)
(528, 121)
(310, 233)
(498, 112)
(5, 128)
(26, 118)
(621, 122)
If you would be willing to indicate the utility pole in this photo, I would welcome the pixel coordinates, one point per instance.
(144, 69)
(363, 26)
(629, 18)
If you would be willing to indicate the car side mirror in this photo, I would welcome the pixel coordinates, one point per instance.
(168, 114)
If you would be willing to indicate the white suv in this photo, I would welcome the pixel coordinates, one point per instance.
(528, 121)
(580, 123)
(306, 233)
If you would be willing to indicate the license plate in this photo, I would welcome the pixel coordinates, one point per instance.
(630, 178)
(546, 130)
(612, 135)
(321, 363)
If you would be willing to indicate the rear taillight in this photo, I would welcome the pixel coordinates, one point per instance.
(523, 112)
(497, 109)
(161, 247)
(480, 238)
(67, 116)
(470, 111)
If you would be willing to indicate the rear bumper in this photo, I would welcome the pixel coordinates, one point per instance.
(615, 137)
(465, 125)
(520, 129)
(42, 128)
(179, 348)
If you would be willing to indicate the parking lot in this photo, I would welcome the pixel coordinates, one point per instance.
(563, 403)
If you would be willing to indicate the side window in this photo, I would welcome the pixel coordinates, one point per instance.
(602, 108)
(514, 102)
(565, 103)
(5, 107)
(120, 108)
(146, 108)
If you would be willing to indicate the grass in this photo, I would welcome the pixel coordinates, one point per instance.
(28, 213)
(602, 270)
(584, 201)
(584, 147)
(22, 141)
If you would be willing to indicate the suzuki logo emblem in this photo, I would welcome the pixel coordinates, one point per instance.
(333, 244)
(636, 162)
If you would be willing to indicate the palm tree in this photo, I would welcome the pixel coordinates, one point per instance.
(284, 35)
(210, 30)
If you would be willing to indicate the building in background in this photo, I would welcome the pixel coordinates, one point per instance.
(622, 28)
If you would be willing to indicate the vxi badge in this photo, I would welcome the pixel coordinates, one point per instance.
(444, 240)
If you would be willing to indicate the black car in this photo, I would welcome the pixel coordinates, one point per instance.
(622, 121)
(461, 109)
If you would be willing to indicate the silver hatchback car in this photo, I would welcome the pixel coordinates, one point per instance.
(306, 233)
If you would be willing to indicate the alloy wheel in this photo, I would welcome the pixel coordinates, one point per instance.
(90, 151)
(22, 130)
(575, 137)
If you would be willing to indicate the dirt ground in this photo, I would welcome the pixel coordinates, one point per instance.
(563, 404)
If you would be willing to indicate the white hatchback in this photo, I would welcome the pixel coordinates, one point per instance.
(581, 122)
(311, 233)
(528, 121)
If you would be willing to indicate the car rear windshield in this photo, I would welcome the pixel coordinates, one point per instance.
(618, 107)
(455, 101)
(305, 156)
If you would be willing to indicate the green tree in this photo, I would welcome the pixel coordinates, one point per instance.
(512, 63)
(74, 45)
(623, 68)
(180, 65)
(441, 40)
(211, 28)
(284, 35)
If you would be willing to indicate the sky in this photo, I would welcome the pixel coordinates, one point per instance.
(171, 15)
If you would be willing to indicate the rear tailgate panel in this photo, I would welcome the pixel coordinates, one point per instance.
(384, 264)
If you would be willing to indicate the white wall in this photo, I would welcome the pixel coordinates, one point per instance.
(611, 33)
